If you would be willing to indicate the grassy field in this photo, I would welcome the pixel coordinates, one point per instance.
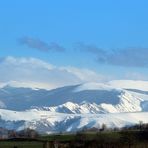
(21, 144)
(63, 137)
(126, 139)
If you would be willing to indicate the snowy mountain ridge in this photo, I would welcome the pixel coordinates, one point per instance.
(71, 108)
(127, 103)
(49, 122)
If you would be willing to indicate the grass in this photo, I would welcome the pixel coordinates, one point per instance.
(64, 137)
(138, 139)
(21, 144)
(86, 135)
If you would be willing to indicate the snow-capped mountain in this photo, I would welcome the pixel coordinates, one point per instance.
(83, 98)
(126, 103)
(49, 122)
(25, 98)
(70, 108)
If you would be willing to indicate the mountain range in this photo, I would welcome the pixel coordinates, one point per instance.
(116, 103)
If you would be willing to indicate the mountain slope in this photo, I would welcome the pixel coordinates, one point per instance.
(24, 98)
(127, 103)
(83, 98)
(49, 122)
(72, 108)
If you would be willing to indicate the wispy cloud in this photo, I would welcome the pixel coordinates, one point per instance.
(41, 74)
(129, 57)
(40, 45)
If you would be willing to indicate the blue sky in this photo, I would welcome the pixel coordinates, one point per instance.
(93, 34)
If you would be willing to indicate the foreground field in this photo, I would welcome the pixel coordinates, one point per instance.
(21, 144)
(122, 139)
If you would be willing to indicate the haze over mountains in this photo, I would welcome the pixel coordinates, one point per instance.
(35, 73)
(29, 100)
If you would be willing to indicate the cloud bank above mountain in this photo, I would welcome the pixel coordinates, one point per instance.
(39, 74)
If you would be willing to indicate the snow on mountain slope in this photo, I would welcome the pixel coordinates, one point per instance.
(95, 86)
(49, 122)
(82, 98)
(71, 108)
(127, 103)
(129, 84)
(24, 98)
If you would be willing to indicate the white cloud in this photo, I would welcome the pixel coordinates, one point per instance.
(84, 74)
(37, 73)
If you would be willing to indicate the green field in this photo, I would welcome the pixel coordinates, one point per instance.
(21, 144)
(119, 139)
